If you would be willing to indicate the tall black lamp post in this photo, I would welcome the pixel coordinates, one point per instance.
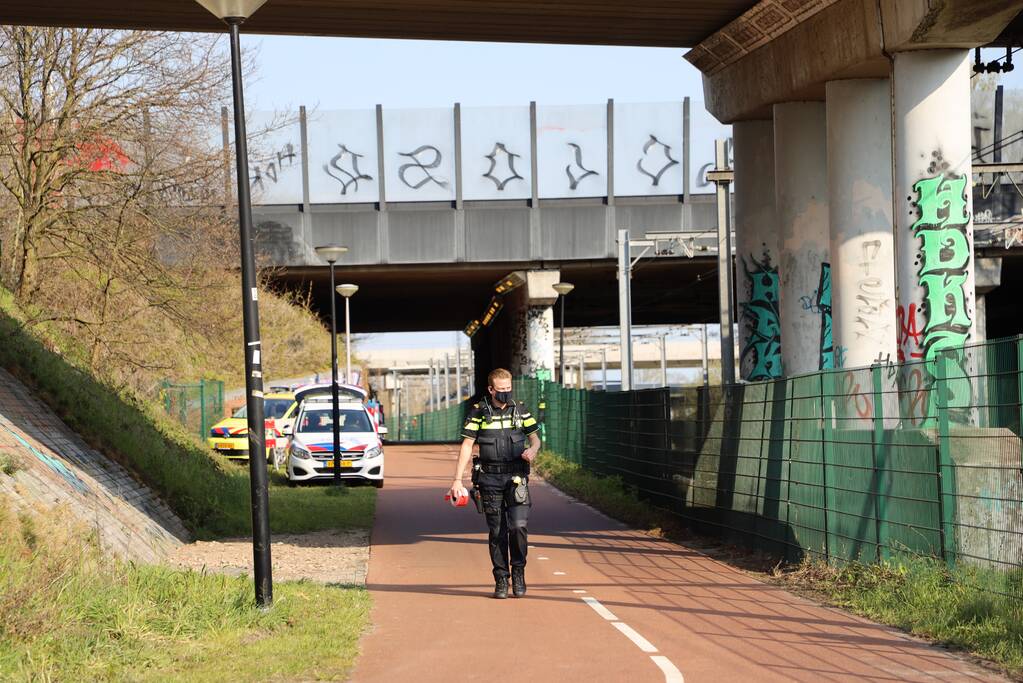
(562, 288)
(331, 253)
(233, 13)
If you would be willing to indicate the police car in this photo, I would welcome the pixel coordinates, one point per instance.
(310, 451)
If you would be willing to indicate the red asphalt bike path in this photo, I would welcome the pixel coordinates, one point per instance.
(433, 618)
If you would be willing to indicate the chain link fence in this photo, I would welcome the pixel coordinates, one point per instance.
(196, 406)
(919, 458)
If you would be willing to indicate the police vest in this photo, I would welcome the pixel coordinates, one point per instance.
(501, 438)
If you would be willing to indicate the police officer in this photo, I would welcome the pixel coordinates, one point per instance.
(501, 427)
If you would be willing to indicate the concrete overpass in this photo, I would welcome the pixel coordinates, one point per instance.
(853, 223)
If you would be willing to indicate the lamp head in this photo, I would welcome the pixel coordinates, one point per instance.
(331, 252)
(563, 288)
(347, 290)
(232, 9)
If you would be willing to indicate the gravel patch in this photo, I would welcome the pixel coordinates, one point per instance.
(321, 556)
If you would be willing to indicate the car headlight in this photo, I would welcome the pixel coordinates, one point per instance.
(374, 452)
(300, 452)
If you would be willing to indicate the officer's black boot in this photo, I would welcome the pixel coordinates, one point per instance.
(501, 588)
(518, 581)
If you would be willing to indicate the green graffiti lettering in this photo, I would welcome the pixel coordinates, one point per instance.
(944, 250)
(827, 346)
(941, 200)
(944, 261)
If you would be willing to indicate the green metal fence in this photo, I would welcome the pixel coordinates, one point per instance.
(438, 425)
(197, 406)
(920, 458)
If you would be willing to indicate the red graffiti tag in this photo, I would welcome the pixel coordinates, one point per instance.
(851, 393)
(909, 330)
(914, 397)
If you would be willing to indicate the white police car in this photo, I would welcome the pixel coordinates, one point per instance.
(310, 452)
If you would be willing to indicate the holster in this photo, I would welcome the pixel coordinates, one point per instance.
(477, 499)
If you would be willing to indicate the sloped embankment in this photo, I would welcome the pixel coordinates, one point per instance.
(54, 472)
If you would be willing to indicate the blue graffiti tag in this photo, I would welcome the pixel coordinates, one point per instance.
(760, 316)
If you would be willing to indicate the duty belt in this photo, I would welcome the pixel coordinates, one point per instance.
(509, 467)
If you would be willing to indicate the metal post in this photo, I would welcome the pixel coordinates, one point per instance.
(335, 410)
(348, 342)
(447, 381)
(603, 369)
(433, 387)
(458, 375)
(625, 308)
(582, 372)
(253, 362)
(202, 409)
(722, 177)
(664, 360)
(706, 363)
(561, 345)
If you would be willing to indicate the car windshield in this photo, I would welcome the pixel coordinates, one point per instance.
(272, 408)
(318, 420)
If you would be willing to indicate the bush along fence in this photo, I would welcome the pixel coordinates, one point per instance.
(196, 406)
(918, 458)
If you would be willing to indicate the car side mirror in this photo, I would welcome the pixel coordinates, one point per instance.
(288, 430)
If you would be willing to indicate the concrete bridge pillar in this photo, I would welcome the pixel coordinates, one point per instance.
(756, 251)
(801, 201)
(934, 219)
(530, 310)
(860, 215)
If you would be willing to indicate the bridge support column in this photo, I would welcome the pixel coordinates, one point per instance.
(756, 251)
(934, 217)
(531, 309)
(860, 209)
(801, 200)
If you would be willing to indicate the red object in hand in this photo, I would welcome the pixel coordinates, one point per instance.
(459, 502)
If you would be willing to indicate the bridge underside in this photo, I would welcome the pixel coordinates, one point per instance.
(409, 298)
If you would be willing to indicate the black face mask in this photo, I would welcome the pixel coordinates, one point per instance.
(503, 396)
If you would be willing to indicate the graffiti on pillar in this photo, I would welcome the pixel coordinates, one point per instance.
(942, 268)
(762, 351)
(872, 299)
(823, 303)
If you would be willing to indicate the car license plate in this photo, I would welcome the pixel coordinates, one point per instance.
(344, 463)
(225, 446)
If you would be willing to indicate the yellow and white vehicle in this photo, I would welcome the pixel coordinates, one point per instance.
(230, 436)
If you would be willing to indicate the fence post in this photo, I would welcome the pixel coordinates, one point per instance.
(202, 409)
(827, 442)
(879, 457)
(1019, 382)
(944, 469)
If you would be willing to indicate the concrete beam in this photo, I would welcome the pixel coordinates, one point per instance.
(846, 39)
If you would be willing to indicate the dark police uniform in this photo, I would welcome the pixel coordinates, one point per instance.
(502, 436)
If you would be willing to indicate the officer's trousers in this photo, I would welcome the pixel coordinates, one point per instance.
(506, 520)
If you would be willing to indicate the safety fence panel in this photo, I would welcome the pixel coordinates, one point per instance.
(196, 406)
(920, 458)
(443, 425)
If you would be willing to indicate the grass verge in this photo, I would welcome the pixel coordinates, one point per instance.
(917, 595)
(210, 496)
(68, 612)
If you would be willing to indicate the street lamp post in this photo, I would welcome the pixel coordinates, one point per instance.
(348, 291)
(331, 253)
(562, 288)
(233, 13)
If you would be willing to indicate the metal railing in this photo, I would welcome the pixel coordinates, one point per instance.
(920, 458)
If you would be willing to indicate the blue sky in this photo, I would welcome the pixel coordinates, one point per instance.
(341, 73)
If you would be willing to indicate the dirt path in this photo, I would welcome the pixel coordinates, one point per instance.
(324, 556)
(605, 603)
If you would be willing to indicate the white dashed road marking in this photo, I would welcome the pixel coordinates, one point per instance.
(600, 609)
(630, 633)
(559, 573)
(671, 672)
